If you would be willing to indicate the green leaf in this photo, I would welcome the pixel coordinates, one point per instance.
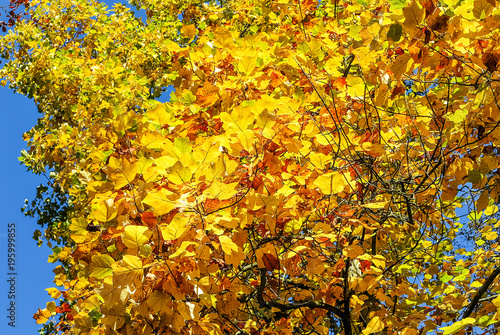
(445, 278)
(474, 176)
(188, 98)
(395, 32)
(397, 4)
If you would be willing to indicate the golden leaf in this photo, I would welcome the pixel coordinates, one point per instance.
(458, 326)
(189, 31)
(105, 210)
(414, 14)
(176, 228)
(135, 236)
(160, 201)
(375, 325)
(228, 246)
(332, 183)
(128, 271)
(353, 251)
(100, 266)
(401, 65)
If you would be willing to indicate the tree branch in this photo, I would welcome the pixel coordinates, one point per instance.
(481, 291)
(292, 305)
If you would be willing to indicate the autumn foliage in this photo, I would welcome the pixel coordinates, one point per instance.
(319, 168)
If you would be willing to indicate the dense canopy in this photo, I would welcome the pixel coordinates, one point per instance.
(318, 168)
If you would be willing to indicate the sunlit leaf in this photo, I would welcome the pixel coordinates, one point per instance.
(101, 266)
(457, 326)
(135, 236)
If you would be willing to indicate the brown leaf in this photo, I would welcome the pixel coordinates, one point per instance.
(413, 15)
(397, 91)
(429, 7)
(490, 60)
(270, 261)
(440, 23)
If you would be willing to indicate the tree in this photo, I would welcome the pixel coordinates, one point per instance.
(306, 175)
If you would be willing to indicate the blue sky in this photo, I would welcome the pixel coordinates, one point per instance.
(34, 274)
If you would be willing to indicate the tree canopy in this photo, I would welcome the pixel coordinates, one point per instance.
(319, 167)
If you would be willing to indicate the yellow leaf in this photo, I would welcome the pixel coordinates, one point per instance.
(482, 8)
(105, 210)
(157, 301)
(159, 115)
(490, 210)
(376, 205)
(51, 306)
(375, 325)
(476, 284)
(224, 39)
(143, 164)
(495, 301)
(100, 266)
(79, 225)
(189, 310)
(128, 271)
(152, 141)
(220, 191)
(238, 122)
(42, 316)
(177, 323)
(160, 201)
(92, 302)
(320, 160)
(355, 87)
(228, 246)
(247, 65)
(492, 235)
(333, 64)
(183, 251)
(176, 228)
(246, 139)
(165, 162)
(179, 174)
(113, 318)
(458, 326)
(79, 231)
(135, 236)
(353, 251)
(83, 321)
(240, 119)
(374, 149)
(189, 31)
(482, 202)
(124, 175)
(377, 260)
(332, 183)
(110, 293)
(488, 163)
(53, 292)
(183, 150)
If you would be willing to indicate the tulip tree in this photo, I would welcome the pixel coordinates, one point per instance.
(318, 168)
